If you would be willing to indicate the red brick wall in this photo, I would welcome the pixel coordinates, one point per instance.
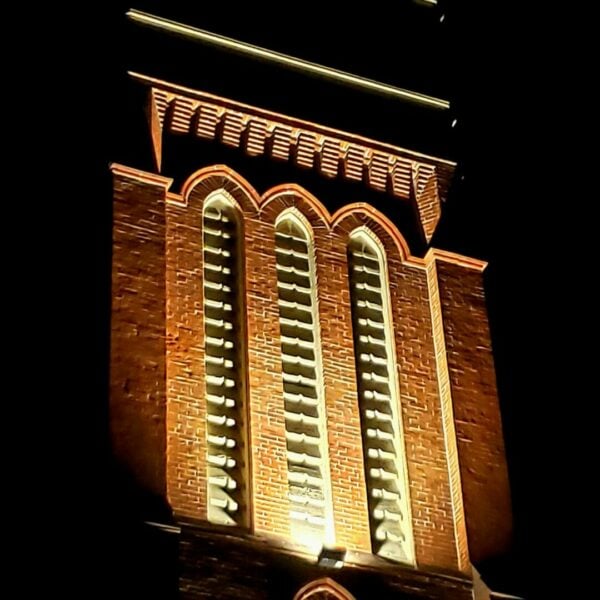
(476, 411)
(166, 298)
(137, 348)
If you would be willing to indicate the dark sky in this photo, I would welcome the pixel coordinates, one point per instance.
(477, 59)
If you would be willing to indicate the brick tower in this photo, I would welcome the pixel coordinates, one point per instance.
(314, 400)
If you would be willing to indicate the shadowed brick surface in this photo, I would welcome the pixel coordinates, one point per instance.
(477, 417)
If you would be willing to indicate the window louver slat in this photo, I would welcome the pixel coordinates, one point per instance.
(307, 465)
(224, 368)
(387, 494)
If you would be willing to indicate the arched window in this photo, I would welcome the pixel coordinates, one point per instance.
(323, 589)
(383, 445)
(225, 363)
(311, 519)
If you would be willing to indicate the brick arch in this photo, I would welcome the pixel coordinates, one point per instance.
(281, 197)
(323, 589)
(209, 179)
(203, 182)
(362, 215)
(187, 493)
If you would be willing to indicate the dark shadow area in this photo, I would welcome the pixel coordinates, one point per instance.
(141, 560)
(236, 565)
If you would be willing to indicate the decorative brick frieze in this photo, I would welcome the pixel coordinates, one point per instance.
(382, 167)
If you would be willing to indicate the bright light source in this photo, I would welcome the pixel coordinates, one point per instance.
(442, 18)
(454, 123)
(332, 557)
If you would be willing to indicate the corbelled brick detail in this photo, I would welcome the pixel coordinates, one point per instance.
(401, 173)
(158, 273)
(477, 417)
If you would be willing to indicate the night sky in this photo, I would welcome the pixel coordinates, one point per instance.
(475, 58)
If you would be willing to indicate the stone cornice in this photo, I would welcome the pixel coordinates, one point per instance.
(404, 174)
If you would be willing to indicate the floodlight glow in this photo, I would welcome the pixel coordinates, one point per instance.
(332, 557)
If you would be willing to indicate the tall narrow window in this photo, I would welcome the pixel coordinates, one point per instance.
(308, 466)
(225, 370)
(383, 446)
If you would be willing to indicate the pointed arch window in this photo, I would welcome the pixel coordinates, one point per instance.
(225, 340)
(323, 589)
(383, 444)
(311, 519)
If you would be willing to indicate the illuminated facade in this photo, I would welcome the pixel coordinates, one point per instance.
(288, 376)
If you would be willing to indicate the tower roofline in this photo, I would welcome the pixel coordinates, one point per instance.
(285, 60)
